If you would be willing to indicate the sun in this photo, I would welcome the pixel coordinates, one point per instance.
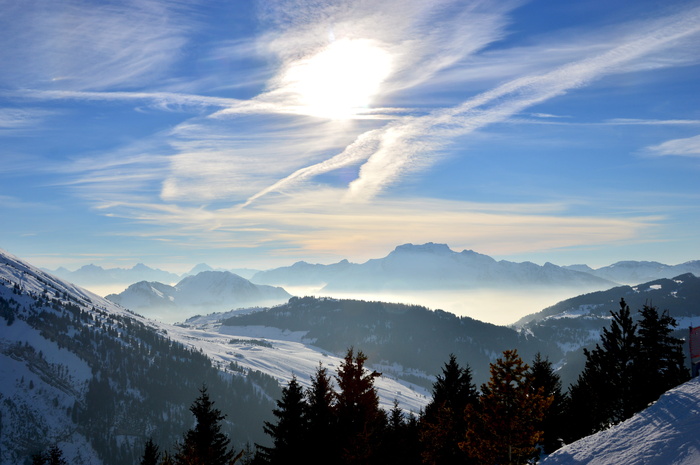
(340, 81)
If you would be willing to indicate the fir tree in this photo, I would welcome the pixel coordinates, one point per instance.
(360, 420)
(289, 434)
(205, 444)
(505, 427)
(321, 419)
(443, 425)
(544, 379)
(604, 392)
(660, 363)
(151, 453)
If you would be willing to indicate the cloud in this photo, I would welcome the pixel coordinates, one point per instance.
(86, 45)
(321, 225)
(409, 143)
(688, 147)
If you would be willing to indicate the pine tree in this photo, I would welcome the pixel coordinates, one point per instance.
(321, 419)
(151, 453)
(505, 427)
(544, 379)
(443, 424)
(289, 434)
(53, 456)
(360, 420)
(660, 363)
(604, 393)
(205, 444)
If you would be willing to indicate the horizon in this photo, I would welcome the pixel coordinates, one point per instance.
(259, 134)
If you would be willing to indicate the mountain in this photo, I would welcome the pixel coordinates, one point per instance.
(246, 273)
(208, 291)
(93, 275)
(430, 267)
(633, 272)
(577, 322)
(666, 433)
(80, 372)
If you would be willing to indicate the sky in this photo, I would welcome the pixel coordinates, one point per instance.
(255, 134)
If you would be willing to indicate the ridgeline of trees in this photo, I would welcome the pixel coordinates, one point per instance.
(514, 418)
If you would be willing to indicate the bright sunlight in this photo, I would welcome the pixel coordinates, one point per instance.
(340, 81)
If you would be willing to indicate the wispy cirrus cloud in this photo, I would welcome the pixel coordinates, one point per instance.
(85, 45)
(687, 147)
(410, 142)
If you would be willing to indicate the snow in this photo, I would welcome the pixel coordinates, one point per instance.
(290, 355)
(666, 433)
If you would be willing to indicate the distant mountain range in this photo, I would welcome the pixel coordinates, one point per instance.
(207, 291)
(93, 275)
(430, 266)
(415, 267)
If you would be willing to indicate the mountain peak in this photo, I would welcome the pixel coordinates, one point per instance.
(429, 247)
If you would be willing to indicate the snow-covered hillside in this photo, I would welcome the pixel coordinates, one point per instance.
(666, 433)
(69, 359)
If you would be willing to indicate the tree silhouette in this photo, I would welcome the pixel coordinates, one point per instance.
(151, 453)
(443, 425)
(359, 417)
(205, 444)
(289, 433)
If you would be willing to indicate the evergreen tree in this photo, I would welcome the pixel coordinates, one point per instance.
(604, 393)
(660, 363)
(505, 427)
(443, 424)
(53, 456)
(321, 419)
(151, 453)
(360, 420)
(544, 379)
(289, 434)
(205, 444)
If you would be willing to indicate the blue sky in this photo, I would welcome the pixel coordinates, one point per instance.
(258, 134)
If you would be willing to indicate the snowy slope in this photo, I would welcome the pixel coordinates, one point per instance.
(282, 355)
(666, 433)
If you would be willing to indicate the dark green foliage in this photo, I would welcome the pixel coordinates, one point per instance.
(443, 425)
(321, 419)
(359, 419)
(660, 360)
(205, 444)
(626, 371)
(151, 453)
(53, 456)
(290, 432)
(546, 381)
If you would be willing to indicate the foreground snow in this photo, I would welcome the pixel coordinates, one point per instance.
(666, 433)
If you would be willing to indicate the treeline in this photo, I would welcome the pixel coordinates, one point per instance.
(517, 416)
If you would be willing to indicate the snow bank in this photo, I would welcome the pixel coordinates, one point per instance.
(666, 433)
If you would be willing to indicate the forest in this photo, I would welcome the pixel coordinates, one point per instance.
(520, 414)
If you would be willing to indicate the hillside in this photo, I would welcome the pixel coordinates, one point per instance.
(410, 336)
(83, 373)
(666, 433)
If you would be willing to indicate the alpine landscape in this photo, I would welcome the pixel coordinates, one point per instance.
(349, 232)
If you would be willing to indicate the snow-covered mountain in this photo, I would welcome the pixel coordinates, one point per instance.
(81, 372)
(431, 267)
(205, 292)
(666, 433)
